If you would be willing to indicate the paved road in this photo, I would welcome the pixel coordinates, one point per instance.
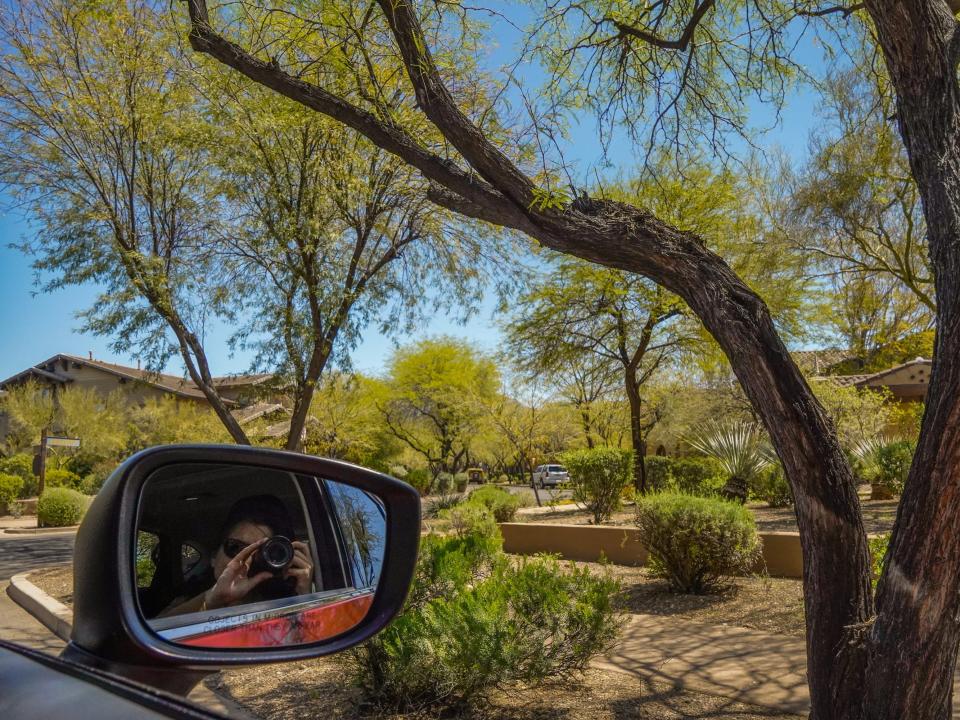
(19, 554)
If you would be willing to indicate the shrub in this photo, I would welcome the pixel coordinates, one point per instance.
(893, 462)
(599, 476)
(771, 486)
(659, 476)
(19, 465)
(56, 477)
(470, 519)
(10, 488)
(878, 554)
(698, 475)
(420, 479)
(22, 467)
(91, 484)
(740, 449)
(475, 622)
(443, 483)
(59, 506)
(696, 543)
(460, 482)
(503, 479)
(501, 503)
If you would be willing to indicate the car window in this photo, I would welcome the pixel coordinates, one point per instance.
(147, 546)
(361, 518)
(556, 468)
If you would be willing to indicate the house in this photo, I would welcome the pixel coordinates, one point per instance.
(907, 382)
(250, 397)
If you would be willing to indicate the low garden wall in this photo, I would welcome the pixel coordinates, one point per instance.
(621, 545)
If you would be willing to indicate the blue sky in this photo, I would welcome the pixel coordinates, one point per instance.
(37, 325)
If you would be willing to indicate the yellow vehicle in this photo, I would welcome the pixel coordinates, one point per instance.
(477, 475)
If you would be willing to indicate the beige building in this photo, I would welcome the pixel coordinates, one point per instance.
(907, 382)
(249, 396)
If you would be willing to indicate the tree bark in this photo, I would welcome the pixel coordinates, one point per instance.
(914, 639)
(635, 403)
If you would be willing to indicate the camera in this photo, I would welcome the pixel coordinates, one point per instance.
(274, 556)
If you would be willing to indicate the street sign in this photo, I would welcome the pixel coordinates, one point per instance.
(66, 442)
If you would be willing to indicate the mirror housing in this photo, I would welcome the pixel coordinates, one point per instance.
(109, 631)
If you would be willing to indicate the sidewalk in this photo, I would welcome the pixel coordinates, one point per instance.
(27, 525)
(746, 665)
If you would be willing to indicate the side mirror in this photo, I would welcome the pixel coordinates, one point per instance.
(197, 557)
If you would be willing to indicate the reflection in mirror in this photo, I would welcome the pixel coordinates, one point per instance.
(233, 556)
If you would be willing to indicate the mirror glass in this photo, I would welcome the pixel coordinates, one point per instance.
(234, 556)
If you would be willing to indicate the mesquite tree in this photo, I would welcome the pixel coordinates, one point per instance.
(893, 658)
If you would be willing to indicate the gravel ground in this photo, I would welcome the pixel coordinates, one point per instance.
(323, 688)
(57, 582)
(770, 604)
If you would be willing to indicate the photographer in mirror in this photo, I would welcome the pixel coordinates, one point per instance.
(256, 560)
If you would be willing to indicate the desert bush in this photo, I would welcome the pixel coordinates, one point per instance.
(58, 477)
(21, 466)
(60, 506)
(443, 483)
(659, 476)
(599, 476)
(420, 479)
(878, 555)
(468, 519)
(698, 475)
(739, 448)
(501, 503)
(697, 543)
(10, 487)
(893, 464)
(771, 486)
(503, 479)
(93, 481)
(460, 482)
(476, 621)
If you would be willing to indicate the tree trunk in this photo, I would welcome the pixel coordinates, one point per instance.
(913, 642)
(636, 431)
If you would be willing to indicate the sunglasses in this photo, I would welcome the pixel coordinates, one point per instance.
(232, 547)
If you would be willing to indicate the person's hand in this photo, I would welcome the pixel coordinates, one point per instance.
(300, 568)
(233, 583)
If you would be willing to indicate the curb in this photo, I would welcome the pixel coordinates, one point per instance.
(54, 615)
(39, 531)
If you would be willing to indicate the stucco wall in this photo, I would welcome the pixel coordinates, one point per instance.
(621, 545)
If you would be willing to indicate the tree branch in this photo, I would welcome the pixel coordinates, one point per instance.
(680, 43)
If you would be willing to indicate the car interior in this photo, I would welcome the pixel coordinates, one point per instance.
(182, 513)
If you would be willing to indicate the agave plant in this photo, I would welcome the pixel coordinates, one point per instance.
(741, 448)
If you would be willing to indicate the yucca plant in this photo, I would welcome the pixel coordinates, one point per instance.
(740, 448)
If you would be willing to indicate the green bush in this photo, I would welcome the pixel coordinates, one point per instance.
(878, 554)
(470, 519)
(460, 482)
(501, 503)
(698, 475)
(893, 462)
(691, 475)
(420, 479)
(443, 483)
(696, 543)
(59, 507)
(771, 486)
(91, 484)
(10, 488)
(475, 622)
(658, 468)
(22, 467)
(599, 476)
(57, 477)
